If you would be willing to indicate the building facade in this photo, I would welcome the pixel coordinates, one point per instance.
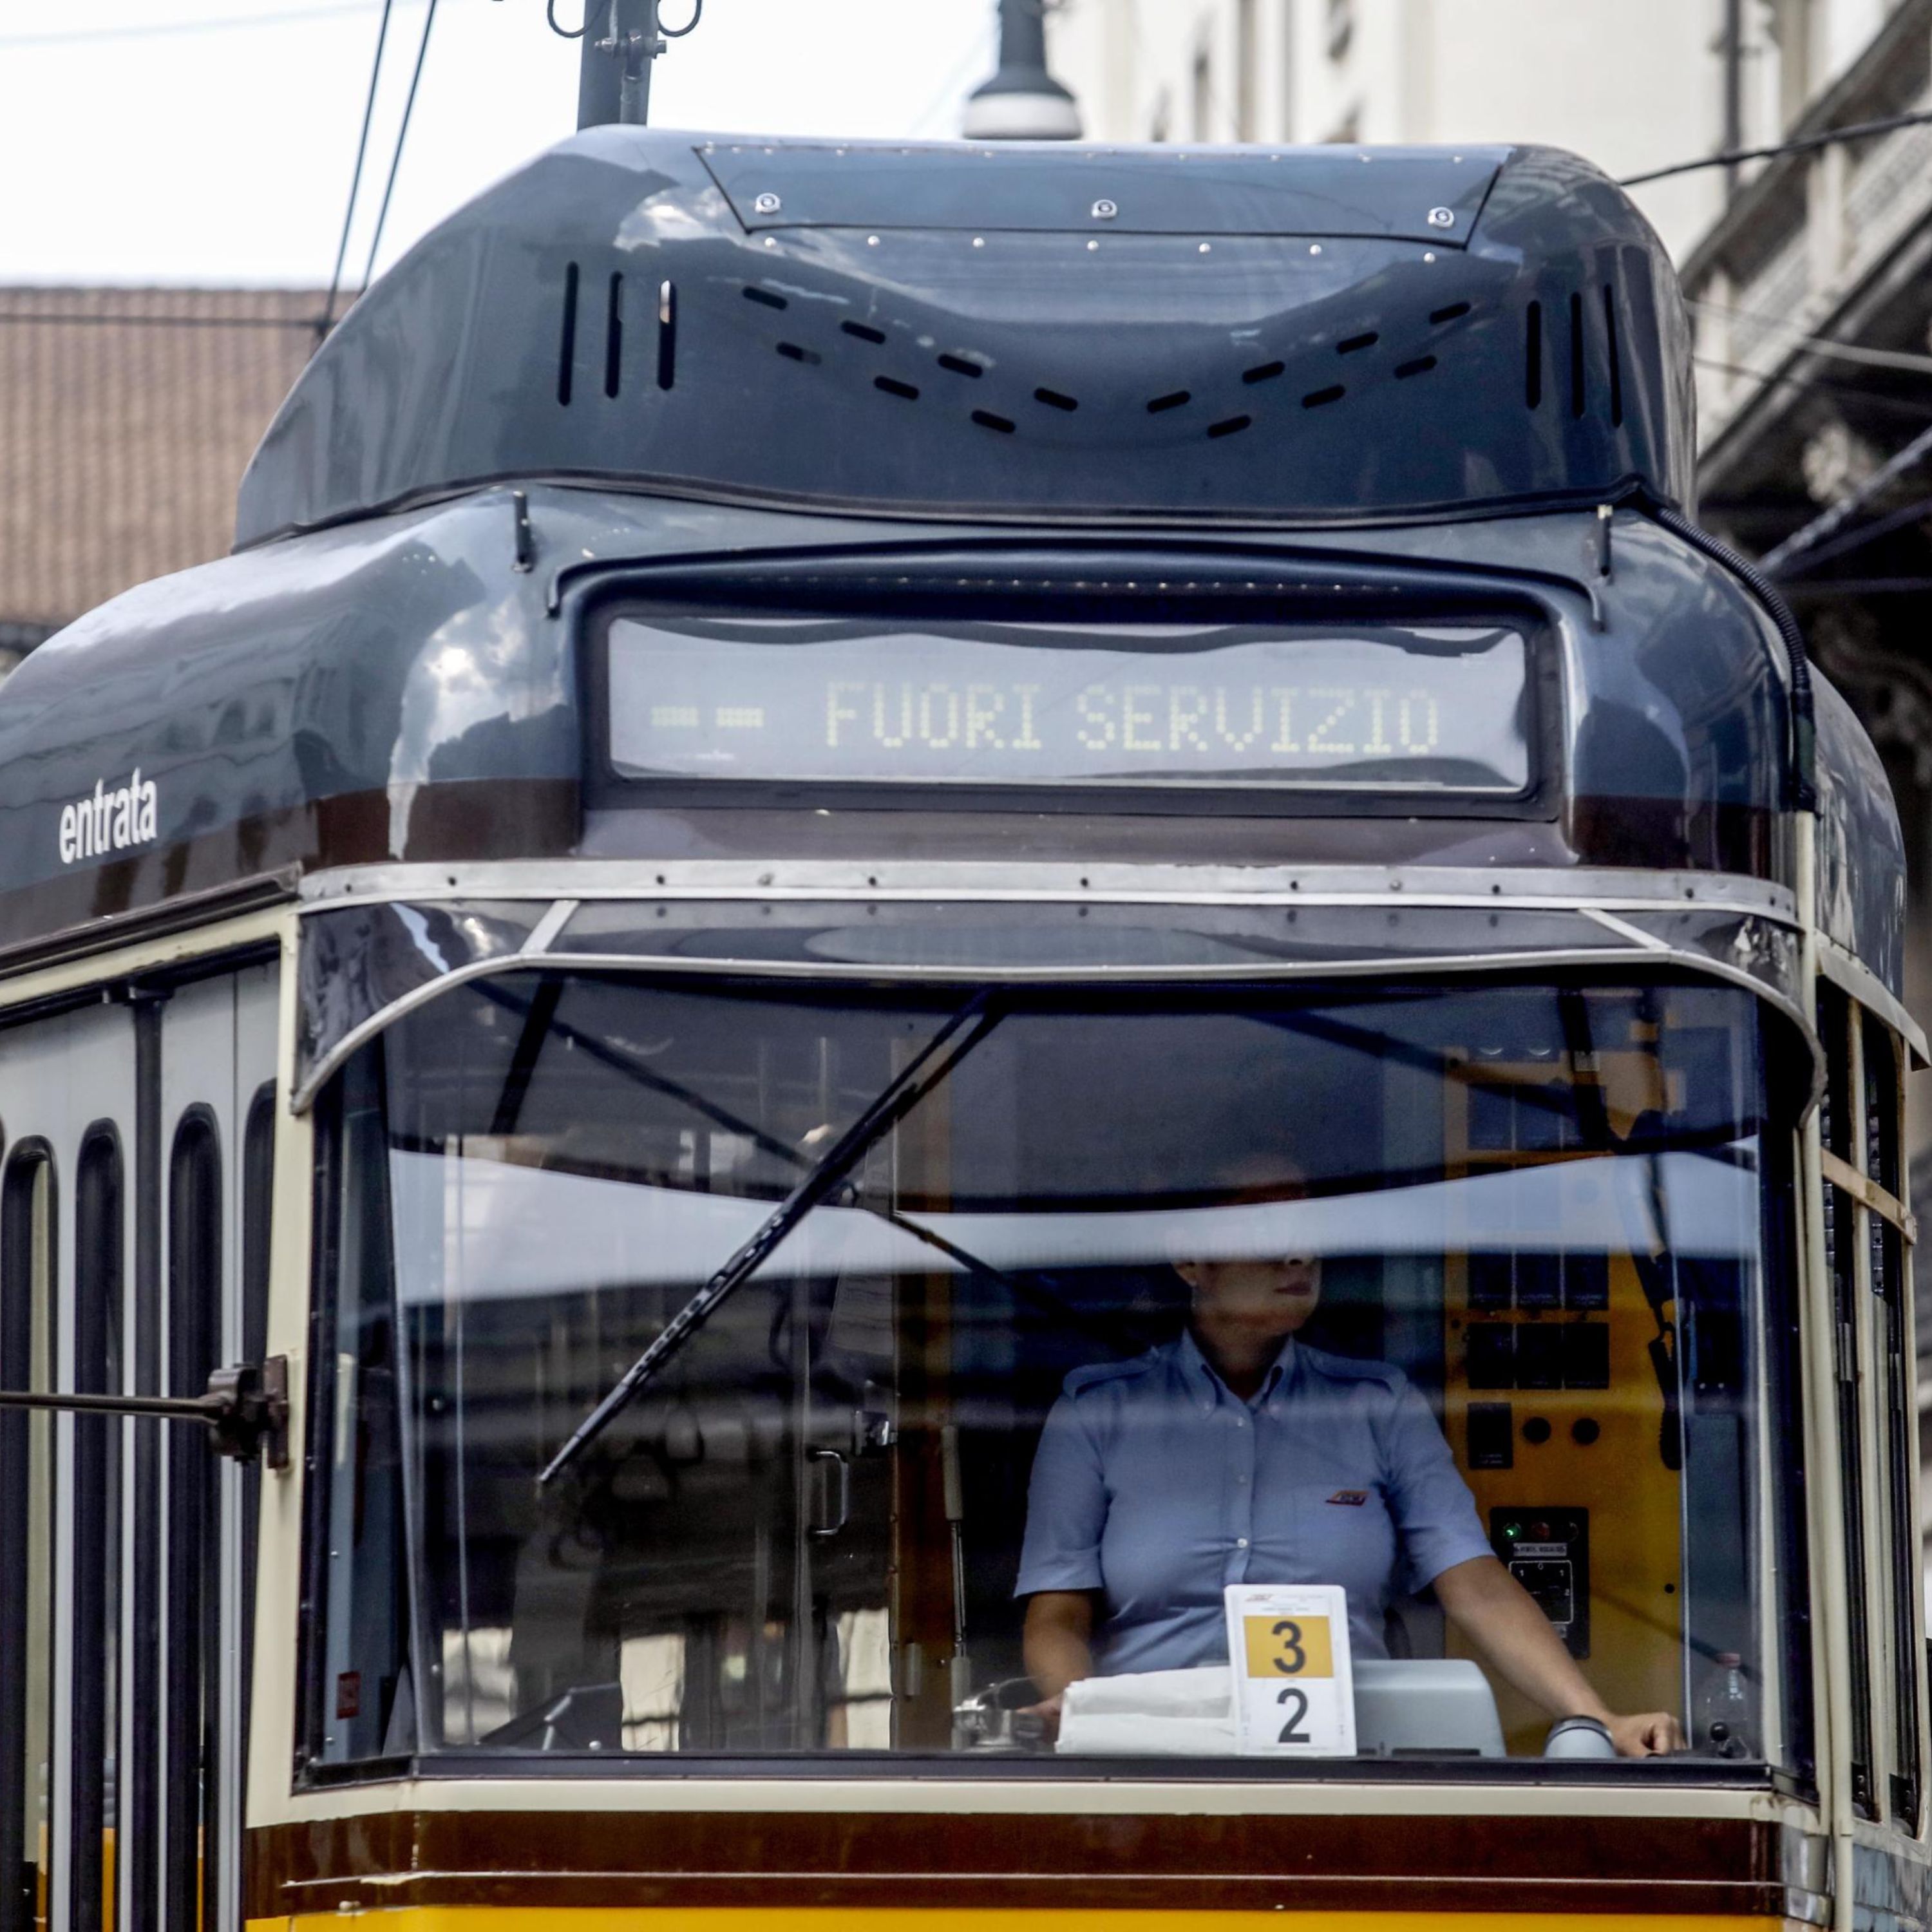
(127, 417)
(1632, 84)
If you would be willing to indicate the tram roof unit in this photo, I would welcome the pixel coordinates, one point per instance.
(400, 666)
(1052, 332)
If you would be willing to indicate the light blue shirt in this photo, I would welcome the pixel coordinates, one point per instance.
(1156, 1486)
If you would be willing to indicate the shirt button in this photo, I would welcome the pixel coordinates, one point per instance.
(1240, 1422)
(1240, 1543)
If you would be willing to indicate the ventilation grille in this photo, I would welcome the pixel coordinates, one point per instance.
(1557, 357)
(577, 298)
(1573, 353)
(894, 363)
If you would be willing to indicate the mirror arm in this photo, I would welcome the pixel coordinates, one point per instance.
(246, 1406)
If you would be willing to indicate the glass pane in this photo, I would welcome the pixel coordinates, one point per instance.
(1446, 1298)
(26, 1361)
(1434, 707)
(98, 1367)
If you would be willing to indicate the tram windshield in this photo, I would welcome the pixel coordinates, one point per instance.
(1132, 1297)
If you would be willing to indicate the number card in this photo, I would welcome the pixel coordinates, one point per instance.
(1295, 1693)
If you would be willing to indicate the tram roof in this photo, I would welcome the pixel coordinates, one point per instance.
(1061, 331)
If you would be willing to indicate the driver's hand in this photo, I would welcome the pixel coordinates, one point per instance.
(1048, 1711)
(1647, 1734)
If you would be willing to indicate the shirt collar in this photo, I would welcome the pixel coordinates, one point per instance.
(1208, 1388)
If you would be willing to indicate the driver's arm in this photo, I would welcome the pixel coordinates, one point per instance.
(1059, 1639)
(1516, 1641)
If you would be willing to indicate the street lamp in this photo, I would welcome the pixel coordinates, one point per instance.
(1022, 101)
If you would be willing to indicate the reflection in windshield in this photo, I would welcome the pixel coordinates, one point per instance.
(963, 1402)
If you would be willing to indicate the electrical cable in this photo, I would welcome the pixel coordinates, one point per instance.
(402, 135)
(1816, 385)
(327, 321)
(158, 29)
(1908, 360)
(689, 27)
(1858, 131)
(563, 33)
(1881, 527)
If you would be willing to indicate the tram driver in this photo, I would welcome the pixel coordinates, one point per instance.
(1236, 1454)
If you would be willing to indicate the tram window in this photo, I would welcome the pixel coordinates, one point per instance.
(258, 1186)
(990, 1370)
(1885, 1249)
(95, 1678)
(26, 1539)
(1839, 1130)
(360, 1693)
(191, 1856)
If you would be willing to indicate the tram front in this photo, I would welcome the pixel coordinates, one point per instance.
(1092, 1092)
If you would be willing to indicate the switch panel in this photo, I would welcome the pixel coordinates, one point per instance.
(1491, 1436)
(1547, 1551)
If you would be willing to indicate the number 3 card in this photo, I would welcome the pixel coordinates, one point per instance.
(1293, 1682)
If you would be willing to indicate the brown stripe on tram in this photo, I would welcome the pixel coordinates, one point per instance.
(783, 1861)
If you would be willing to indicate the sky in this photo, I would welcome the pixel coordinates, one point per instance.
(210, 143)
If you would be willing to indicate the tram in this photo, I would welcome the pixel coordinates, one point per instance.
(827, 780)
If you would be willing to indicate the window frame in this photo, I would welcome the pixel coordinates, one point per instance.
(1793, 1776)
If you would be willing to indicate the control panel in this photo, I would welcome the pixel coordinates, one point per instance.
(1547, 1551)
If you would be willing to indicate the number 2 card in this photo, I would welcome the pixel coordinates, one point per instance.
(1294, 1679)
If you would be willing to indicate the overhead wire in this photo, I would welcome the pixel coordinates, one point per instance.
(326, 321)
(1802, 144)
(402, 135)
(100, 37)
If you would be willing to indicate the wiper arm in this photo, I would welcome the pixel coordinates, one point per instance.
(925, 1070)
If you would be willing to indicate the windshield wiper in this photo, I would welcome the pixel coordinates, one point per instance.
(928, 1066)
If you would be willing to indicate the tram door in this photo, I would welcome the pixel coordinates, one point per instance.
(126, 1241)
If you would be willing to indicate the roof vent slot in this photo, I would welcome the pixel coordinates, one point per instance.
(1161, 404)
(1354, 345)
(792, 352)
(614, 339)
(1420, 366)
(864, 330)
(1231, 427)
(1532, 386)
(893, 387)
(1576, 355)
(567, 351)
(1267, 372)
(986, 419)
(1054, 399)
(959, 366)
(1315, 398)
(1451, 313)
(766, 298)
(667, 335)
(1616, 360)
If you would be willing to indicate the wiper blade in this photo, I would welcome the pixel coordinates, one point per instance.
(927, 1067)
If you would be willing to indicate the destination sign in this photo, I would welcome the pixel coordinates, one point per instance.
(1438, 708)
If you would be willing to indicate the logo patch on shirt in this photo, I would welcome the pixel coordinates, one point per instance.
(1354, 1498)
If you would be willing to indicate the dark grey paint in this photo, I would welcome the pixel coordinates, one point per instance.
(1364, 372)
(382, 664)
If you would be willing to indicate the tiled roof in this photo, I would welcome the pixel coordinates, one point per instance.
(127, 417)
